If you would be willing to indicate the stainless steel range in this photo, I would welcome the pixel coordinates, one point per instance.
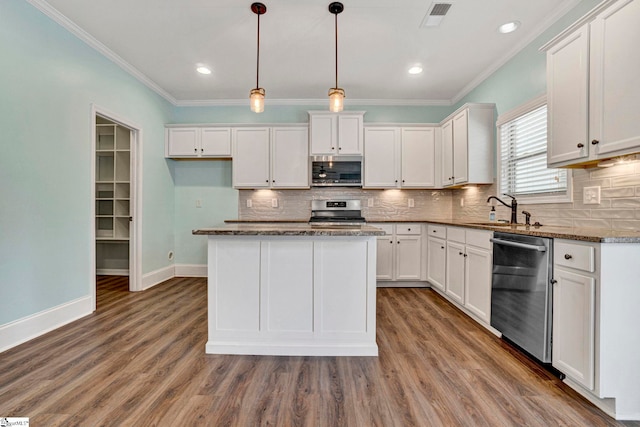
(336, 213)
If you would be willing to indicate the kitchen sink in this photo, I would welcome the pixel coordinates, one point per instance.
(501, 224)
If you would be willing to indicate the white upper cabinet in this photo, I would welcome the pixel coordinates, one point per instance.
(290, 157)
(271, 157)
(467, 145)
(399, 157)
(592, 90)
(336, 134)
(251, 158)
(197, 142)
(418, 157)
(381, 157)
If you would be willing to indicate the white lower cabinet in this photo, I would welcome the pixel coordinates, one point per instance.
(595, 298)
(436, 255)
(399, 255)
(459, 267)
(574, 326)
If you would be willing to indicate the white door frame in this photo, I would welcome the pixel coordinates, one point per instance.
(135, 232)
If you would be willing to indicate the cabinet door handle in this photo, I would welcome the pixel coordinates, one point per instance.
(595, 142)
(580, 145)
(553, 281)
(567, 256)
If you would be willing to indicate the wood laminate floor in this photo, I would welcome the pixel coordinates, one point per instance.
(140, 361)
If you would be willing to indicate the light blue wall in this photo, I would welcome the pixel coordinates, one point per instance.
(210, 182)
(524, 76)
(298, 114)
(49, 80)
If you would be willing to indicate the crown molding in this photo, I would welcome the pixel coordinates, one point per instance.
(541, 28)
(304, 102)
(87, 38)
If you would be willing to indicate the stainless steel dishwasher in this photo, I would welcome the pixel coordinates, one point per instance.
(521, 293)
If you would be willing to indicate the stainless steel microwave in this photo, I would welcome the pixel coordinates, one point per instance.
(336, 171)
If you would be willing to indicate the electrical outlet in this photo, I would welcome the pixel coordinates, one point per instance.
(274, 203)
(198, 203)
(249, 203)
(591, 195)
(370, 202)
(411, 203)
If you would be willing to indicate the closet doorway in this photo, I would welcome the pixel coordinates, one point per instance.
(116, 148)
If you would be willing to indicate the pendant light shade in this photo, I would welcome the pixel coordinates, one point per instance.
(336, 94)
(256, 96)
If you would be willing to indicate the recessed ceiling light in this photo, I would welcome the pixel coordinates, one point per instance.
(416, 69)
(203, 70)
(509, 27)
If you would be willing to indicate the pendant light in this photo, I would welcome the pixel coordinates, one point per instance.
(256, 96)
(336, 94)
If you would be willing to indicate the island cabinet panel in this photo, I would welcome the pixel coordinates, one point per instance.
(342, 308)
(292, 295)
(288, 286)
(235, 309)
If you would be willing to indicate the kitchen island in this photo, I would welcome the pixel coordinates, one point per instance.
(291, 289)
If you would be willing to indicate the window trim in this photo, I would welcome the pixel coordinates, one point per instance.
(529, 199)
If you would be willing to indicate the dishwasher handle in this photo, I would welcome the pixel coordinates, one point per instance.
(539, 248)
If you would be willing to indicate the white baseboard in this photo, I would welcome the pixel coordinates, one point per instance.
(27, 328)
(112, 272)
(191, 270)
(401, 284)
(156, 277)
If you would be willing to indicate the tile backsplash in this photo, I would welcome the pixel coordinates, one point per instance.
(619, 206)
(387, 204)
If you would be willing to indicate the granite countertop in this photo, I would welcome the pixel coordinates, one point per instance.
(288, 229)
(597, 235)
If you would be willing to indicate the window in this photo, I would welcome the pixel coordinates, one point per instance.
(522, 159)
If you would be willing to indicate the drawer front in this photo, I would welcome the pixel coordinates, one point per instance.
(387, 228)
(456, 234)
(580, 257)
(409, 229)
(479, 238)
(439, 231)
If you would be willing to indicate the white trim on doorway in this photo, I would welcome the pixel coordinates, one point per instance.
(135, 234)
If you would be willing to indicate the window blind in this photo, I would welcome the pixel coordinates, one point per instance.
(523, 157)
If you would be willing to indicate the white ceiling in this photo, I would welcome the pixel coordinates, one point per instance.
(161, 41)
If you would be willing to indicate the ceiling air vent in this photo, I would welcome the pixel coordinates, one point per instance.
(435, 15)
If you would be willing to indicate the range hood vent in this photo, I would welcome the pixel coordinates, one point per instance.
(435, 14)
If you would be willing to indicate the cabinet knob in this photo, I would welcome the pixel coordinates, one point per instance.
(408, 229)
(195, 150)
(339, 148)
(333, 148)
(567, 256)
(580, 145)
(441, 247)
(460, 253)
(398, 241)
(202, 150)
(266, 180)
(396, 181)
(595, 142)
(553, 281)
(465, 255)
(391, 241)
(403, 180)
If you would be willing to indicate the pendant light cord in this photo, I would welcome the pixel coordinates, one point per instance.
(336, 27)
(258, 56)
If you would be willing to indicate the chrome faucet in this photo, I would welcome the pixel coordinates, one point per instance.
(513, 206)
